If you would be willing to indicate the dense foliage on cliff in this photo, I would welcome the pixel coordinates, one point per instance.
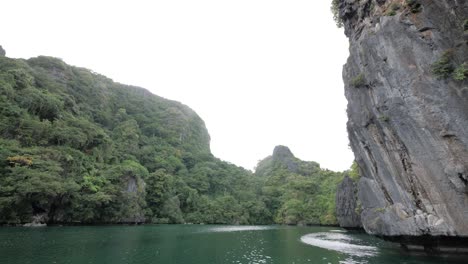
(76, 147)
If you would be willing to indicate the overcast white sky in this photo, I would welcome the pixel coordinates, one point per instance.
(259, 72)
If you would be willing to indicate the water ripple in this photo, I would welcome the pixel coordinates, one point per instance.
(339, 242)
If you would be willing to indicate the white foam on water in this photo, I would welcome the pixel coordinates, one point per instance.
(339, 242)
(334, 236)
(338, 231)
(238, 228)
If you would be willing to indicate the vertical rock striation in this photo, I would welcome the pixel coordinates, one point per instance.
(347, 208)
(408, 124)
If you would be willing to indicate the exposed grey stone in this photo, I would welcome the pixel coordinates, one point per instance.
(283, 155)
(38, 220)
(407, 128)
(135, 189)
(132, 186)
(347, 209)
(2, 51)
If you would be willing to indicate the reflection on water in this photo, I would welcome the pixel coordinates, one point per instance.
(339, 242)
(246, 251)
(350, 260)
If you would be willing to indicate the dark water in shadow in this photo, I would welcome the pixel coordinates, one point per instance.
(199, 244)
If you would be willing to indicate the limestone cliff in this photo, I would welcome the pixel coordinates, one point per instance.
(347, 206)
(405, 82)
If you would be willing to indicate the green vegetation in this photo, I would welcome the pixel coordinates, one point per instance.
(335, 9)
(358, 209)
(392, 9)
(461, 72)
(353, 173)
(358, 81)
(379, 210)
(414, 6)
(443, 67)
(372, 6)
(78, 148)
(384, 118)
(298, 192)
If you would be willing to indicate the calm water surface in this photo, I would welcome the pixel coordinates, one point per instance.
(199, 244)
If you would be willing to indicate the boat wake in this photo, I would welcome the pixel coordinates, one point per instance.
(238, 228)
(339, 242)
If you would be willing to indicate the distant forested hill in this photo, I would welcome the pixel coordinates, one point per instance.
(296, 191)
(76, 147)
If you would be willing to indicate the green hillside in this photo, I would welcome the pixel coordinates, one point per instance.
(76, 147)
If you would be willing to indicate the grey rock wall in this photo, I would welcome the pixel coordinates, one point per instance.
(407, 128)
(283, 155)
(347, 208)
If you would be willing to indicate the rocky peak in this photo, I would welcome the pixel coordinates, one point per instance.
(282, 153)
(2, 51)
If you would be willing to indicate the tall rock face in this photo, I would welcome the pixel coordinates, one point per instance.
(347, 208)
(405, 82)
